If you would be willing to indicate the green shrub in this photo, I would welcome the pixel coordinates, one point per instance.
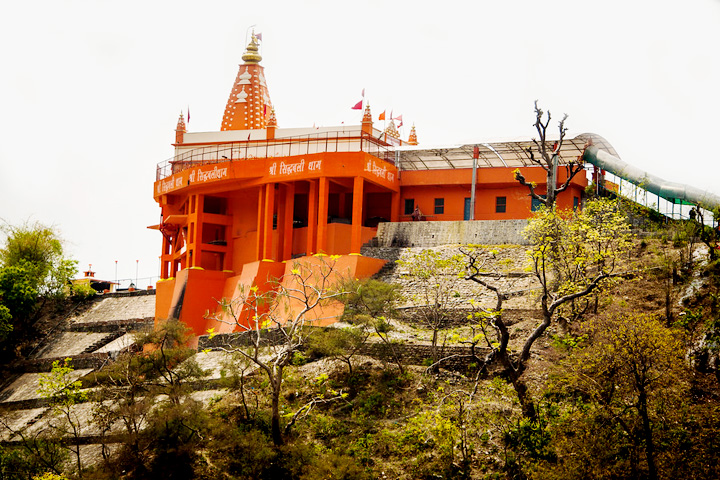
(82, 291)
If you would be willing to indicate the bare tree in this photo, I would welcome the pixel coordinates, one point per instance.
(283, 314)
(572, 255)
(547, 156)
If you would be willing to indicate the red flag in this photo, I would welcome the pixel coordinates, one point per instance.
(363, 93)
(358, 106)
(382, 116)
(188, 113)
(399, 119)
(258, 36)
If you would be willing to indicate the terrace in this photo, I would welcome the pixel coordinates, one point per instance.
(323, 142)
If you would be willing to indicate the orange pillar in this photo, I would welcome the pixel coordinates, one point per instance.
(260, 229)
(323, 194)
(312, 218)
(280, 222)
(195, 228)
(268, 221)
(395, 207)
(357, 214)
(166, 257)
(286, 253)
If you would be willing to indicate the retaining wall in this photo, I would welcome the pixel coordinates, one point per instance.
(432, 234)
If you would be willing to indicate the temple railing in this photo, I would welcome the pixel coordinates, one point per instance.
(326, 142)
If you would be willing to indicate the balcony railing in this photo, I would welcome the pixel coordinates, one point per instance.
(327, 142)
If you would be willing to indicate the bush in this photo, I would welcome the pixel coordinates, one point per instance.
(82, 291)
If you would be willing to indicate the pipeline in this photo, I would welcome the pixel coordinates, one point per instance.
(671, 191)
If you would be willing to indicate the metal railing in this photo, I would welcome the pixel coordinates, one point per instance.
(327, 142)
(676, 210)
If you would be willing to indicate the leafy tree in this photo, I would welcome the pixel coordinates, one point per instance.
(33, 456)
(64, 391)
(628, 391)
(438, 276)
(342, 343)
(39, 250)
(572, 254)
(17, 291)
(5, 322)
(548, 158)
(32, 267)
(145, 400)
(368, 305)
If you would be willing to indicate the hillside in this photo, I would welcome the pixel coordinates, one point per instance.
(378, 411)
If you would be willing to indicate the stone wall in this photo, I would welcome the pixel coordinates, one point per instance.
(409, 353)
(510, 260)
(432, 234)
(456, 357)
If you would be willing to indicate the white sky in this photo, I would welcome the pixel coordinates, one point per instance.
(90, 91)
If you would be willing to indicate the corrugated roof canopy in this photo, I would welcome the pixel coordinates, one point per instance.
(492, 154)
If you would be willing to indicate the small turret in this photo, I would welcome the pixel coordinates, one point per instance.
(412, 139)
(391, 130)
(271, 125)
(367, 122)
(180, 130)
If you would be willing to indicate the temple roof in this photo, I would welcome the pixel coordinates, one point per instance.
(491, 154)
(249, 106)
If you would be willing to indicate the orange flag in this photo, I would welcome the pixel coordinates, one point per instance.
(382, 116)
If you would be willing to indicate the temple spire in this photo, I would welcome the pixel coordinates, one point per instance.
(249, 106)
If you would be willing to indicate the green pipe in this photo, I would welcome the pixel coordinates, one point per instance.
(671, 191)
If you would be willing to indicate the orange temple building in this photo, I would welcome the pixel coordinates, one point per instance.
(239, 203)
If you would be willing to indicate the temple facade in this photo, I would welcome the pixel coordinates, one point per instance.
(239, 203)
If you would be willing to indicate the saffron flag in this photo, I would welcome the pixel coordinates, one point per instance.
(358, 106)
(382, 116)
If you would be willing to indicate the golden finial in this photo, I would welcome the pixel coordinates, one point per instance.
(251, 54)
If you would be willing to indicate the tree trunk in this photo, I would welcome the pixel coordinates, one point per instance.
(275, 421)
(647, 433)
(526, 402)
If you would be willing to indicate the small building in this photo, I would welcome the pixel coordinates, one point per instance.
(100, 286)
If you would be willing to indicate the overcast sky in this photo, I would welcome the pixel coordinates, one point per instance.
(90, 91)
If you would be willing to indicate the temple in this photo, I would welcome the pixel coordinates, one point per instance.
(239, 203)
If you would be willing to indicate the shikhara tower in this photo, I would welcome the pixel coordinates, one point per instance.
(249, 106)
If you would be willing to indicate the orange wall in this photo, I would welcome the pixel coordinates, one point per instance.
(454, 187)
